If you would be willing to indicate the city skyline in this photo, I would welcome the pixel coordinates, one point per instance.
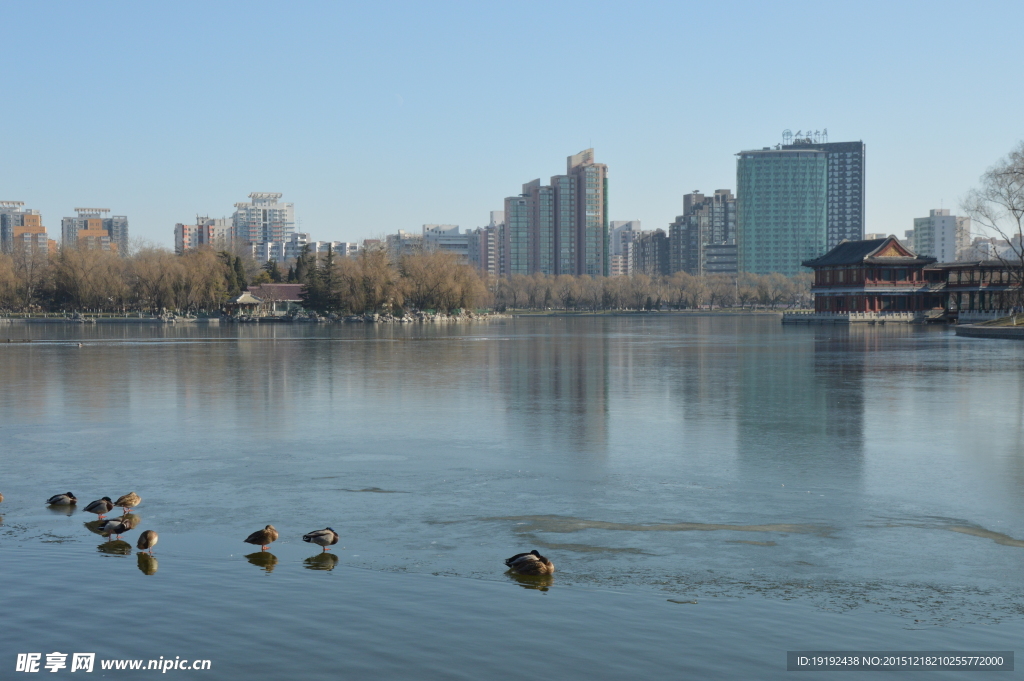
(367, 104)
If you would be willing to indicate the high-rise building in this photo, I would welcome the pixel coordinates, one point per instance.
(262, 220)
(211, 232)
(781, 208)
(484, 245)
(561, 228)
(706, 221)
(845, 212)
(92, 229)
(22, 229)
(651, 253)
(623, 234)
(942, 236)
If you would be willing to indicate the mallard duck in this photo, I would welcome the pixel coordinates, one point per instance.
(100, 507)
(531, 563)
(262, 537)
(147, 540)
(66, 499)
(131, 521)
(126, 501)
(323, 538)
(115, 528)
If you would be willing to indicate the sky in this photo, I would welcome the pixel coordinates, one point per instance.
(375, 117)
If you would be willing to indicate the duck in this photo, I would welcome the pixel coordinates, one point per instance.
(323, 538)
(116, 528)
(531, 563)
(147, 540)
(100, 507)
(126, 501)
(66, 499)
(262, 537)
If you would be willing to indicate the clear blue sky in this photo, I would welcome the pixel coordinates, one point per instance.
(374, 117)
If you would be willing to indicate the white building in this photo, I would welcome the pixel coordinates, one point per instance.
(623, 234)
(263, 220)
(448, 239)
(941, 235)
(402, 243)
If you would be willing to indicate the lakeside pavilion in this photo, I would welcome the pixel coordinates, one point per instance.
(883, 275)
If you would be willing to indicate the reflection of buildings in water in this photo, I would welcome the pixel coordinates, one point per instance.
(557, 385)
(800, 410)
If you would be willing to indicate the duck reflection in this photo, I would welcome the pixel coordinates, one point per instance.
(62, 510)
(321, 561)
(537, 582)
(147, 563)
(96, 527)
(263, 559)
(118, 547)
(130, 520)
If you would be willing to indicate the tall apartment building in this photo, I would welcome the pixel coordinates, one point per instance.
(212, 232)
(562, 227)
(22, 229)
(706, 221)
(651, 253)
(91, 228)
(845, 212)
(941, 235)
(262, 220)
(484, 245)
(781, 208)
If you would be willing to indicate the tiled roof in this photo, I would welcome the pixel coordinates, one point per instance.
(856, 252)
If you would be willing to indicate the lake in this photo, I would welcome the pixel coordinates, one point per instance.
(714, 491)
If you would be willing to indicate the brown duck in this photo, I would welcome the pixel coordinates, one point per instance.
(262, 537)
(531, 563)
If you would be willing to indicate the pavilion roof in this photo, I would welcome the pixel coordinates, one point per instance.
(887, 251)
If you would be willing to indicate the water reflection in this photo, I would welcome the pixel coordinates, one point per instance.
(147, 563)
(130, 520)
(557, 384)
(96, 527)
(537, 582)
(118, 547)
(800, 406)
(263, 559)
(321, 561)
(62, 510)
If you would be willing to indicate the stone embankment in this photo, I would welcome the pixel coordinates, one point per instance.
(982, 331)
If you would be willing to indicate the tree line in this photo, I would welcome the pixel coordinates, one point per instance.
(157, 280)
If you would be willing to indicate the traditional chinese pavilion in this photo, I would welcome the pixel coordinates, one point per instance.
(876, 275)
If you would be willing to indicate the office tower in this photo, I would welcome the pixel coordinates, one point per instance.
(92, 229)
(707, 221)
(845, 183)
(942, 236)
(560, 228)
(21, 229)
(262, 220)
(651, 253)
(781, 208)
(212, 232)
(448, 239)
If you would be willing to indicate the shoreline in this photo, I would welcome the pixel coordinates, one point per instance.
(978, 331)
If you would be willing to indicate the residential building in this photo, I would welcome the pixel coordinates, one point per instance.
(941, 235)
(448, 239)
(484, 245)
(781, 209)
(845, 207)
(91, 228)
(651, 253)
(561, 228)
(262, 220)
(211, 232)
(622, 235)
(706, 221)
(22, 229)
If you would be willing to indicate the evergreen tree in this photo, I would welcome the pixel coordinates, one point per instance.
(273, 270)
(230, 278)
(291, 274)
(240, 280)
(312, 291)
(302, 265)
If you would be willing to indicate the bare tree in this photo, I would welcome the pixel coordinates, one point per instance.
(998, 206)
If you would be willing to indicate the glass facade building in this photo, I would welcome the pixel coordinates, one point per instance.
(781, 209)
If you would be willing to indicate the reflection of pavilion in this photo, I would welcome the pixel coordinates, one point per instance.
(558, 385)
(800, 412)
